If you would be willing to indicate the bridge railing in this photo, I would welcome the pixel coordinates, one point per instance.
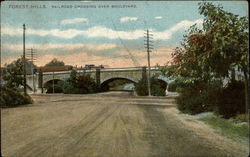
(102, 70)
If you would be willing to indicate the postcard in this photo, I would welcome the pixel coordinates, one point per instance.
(124, 79)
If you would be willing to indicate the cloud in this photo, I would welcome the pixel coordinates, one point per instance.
(45, 47)
(167, 34)
(98, 32)
(158, 17)
(113, 34)
(126, 19)
(82, 58)
(73, 21)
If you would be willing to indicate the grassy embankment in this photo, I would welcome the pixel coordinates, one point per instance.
(235, 127)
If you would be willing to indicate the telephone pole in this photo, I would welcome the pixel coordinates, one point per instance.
(24, 62)
(0, 92)
(32, 59)
(148, 47)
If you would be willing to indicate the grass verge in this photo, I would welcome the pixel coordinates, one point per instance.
(227, 127)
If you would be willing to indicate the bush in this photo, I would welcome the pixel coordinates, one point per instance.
(13, 98)
(67, 88)
(178, 84)
(211, 94)
(202, 97)
(231, 100)
(157, 88)
(141, 87)
(79, 84)
(190, 100)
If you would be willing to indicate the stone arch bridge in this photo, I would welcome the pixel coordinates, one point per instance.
(101, 76)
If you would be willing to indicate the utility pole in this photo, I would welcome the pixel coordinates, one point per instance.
(53, 86)
(24, 62)
(32, 59)
(0, 103)
(148, 47)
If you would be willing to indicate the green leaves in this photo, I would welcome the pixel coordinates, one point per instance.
(14, 73)
(212, 51)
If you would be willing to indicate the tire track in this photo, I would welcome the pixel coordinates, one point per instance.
(39, 146)
(168, 139)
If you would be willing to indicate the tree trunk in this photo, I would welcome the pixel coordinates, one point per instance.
(246, 92)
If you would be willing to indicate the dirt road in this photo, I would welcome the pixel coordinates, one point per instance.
(111, 124)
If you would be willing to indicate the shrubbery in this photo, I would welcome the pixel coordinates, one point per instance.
(12, 98)
(231, 100)
(200, 97)
(141, 87)
(79, 84)
(157, 88)
(190, 99)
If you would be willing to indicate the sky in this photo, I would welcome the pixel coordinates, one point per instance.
(110, 33)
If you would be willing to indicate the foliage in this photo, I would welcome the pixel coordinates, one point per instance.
(201, 97)
(190, 99)
(67, 87)
(141, 87)
(80, 84)
(231, 100)
(212, 53)
(13, 75)
(214, 50)
(196, 97)
(226, 39)
(12, 98)
(54, 63)
(210, 94)
(157, 89)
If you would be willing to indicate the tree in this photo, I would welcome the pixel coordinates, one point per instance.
(13, 77)
(13, 74)
(80, 84)
(55, 63)
(216, 50)
(157, 88)
(228, 37)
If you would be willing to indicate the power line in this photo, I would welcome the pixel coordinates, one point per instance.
(135, 62)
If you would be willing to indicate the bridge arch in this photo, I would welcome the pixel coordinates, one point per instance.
(50, 82)
(163, 83)
(104, 83)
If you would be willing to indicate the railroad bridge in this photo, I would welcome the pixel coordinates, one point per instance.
(102, 76)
